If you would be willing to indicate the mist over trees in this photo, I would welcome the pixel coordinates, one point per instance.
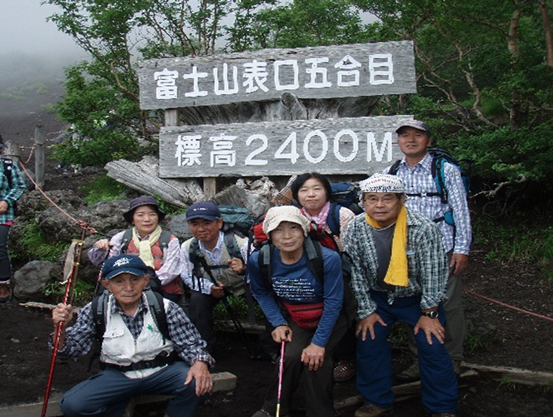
(484, 70)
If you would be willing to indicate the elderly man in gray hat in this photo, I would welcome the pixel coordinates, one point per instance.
(399, 273)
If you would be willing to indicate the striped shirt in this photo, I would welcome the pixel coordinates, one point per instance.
(418, 180)
(426, 257)
(187, 342)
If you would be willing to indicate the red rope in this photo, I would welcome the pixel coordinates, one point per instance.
(84, 226)
(507, 305)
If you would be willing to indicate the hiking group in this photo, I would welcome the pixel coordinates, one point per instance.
(331, 283)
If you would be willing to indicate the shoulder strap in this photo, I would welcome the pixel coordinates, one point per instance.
(232, 245)
(7, 167)
(438, 174)
(315, 261)
(333, 219)
(127, 236)
(394, 167)
(157, 307)
(164, 239)
(99, 307)
(265, 266)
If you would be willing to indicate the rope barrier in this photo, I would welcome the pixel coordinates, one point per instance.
(84, 226)
(507, 305)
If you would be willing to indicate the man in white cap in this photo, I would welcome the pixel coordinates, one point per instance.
(453, 218)
(399, 273)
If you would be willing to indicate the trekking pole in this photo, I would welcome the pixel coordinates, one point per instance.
(71, 280)
(280, 374)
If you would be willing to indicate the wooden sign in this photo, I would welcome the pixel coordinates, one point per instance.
(330, 146)
(336, 71)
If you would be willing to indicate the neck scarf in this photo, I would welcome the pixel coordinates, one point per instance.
(397, 273)
(145, 246)
(319, 219)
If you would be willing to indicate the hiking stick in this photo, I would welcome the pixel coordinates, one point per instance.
(77, 247)
(280, 374)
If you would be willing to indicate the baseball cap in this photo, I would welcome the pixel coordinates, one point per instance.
(417, 124)
(203, 210)
(124, 264)
(143, 200)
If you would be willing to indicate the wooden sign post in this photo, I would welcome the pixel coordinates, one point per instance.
(276, 147)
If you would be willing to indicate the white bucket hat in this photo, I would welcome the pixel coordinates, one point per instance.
(279, 214)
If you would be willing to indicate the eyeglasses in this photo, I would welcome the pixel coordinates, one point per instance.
(386, 200)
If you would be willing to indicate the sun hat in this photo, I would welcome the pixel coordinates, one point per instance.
(417, 124)
(382, 183)
(279, 214)
(143, 200)
(203, 210)
(124, 264)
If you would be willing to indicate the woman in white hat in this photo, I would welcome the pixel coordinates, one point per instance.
(305, 310)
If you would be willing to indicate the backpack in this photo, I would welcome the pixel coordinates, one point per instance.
(346, 194)
(439, 158)
(315, 264)
(236, 219)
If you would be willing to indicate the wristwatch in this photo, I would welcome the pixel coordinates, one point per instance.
(433, 314)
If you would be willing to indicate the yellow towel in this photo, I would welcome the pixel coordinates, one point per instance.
(397, 273)
(145, 246)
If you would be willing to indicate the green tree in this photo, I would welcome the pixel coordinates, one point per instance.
(104, 89)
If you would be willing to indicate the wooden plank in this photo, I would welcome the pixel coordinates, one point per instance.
(340, 146)
(370, 69)
(513, 375)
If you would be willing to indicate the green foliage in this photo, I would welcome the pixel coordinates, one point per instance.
(533, 244)
(240, 308)
(271, 24)
(33, 245)
(82, 292)
(102, 188)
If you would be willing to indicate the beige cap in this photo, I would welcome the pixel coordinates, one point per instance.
(279, 214)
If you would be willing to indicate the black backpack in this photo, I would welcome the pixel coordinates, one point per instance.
(315, 264)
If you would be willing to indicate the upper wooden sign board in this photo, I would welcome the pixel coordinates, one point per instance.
(337, 71)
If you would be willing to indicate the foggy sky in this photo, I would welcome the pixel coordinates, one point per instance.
(23, 29)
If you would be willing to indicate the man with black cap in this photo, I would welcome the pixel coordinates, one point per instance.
(214, 265)
(415, 169)
(12, 185)
(399, 273)
(158, 248)
(135, 356)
